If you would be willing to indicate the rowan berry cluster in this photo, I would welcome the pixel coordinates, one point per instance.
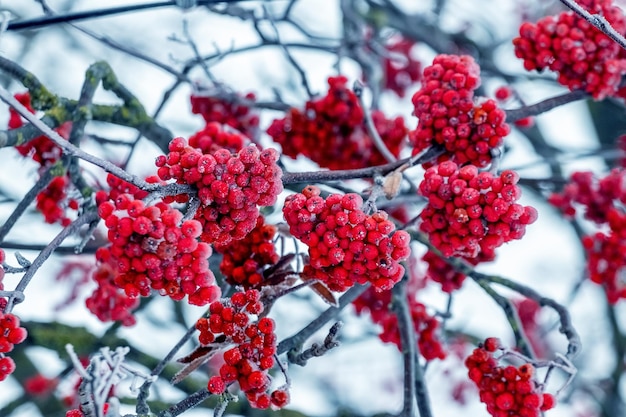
(243, 260)
(52, 202)
(470, 213)
(249, 361)
(212, 137)
(152, 248)
(39, 385)
(109, 302)
(506, 390)
(40, 149)
(378, 303)
(230, 186)
(331, 131)
(401, 69)
(584, 57)
(346, 246)
(443, 273)
(440, 271)
(603, 201)
(11, 334)
(228, 112)
(449, 115)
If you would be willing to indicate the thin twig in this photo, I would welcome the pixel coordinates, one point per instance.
(142, 407)
(48, 250)
(598, 21)
(70, 149)
(545, 105)
(407, 340)
(299, 338)
(371, 128)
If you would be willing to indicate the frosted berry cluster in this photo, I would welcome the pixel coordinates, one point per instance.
(331, 131)
(449, 115)
(470, 213)
(378, 303)
(444, 274)
(346, 246)
(248, 363)
(584, 58)
(109, 302)
(53, 201)
(212, 137)
(11, 334)
(230, 186)
(603, 201)
(401, 69)
(227, 112)
(152, 248)
(507, 391)
(243, 260)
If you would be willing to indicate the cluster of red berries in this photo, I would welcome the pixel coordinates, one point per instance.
(449, 114)
(444, 274)
(109, 302)
(228, 112)
(583, 57)
(603, 200)
(11, 334)
(378, 303)
(598, 196)
(331, 131)
(52, 202)
(39, 385)
(249, 361)
(470, 213)
(40, 149)
(230, 186)
(152, 248)
(243, 260)
(346, 246)
(506, 391)
(212, 137)
(401, 69)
